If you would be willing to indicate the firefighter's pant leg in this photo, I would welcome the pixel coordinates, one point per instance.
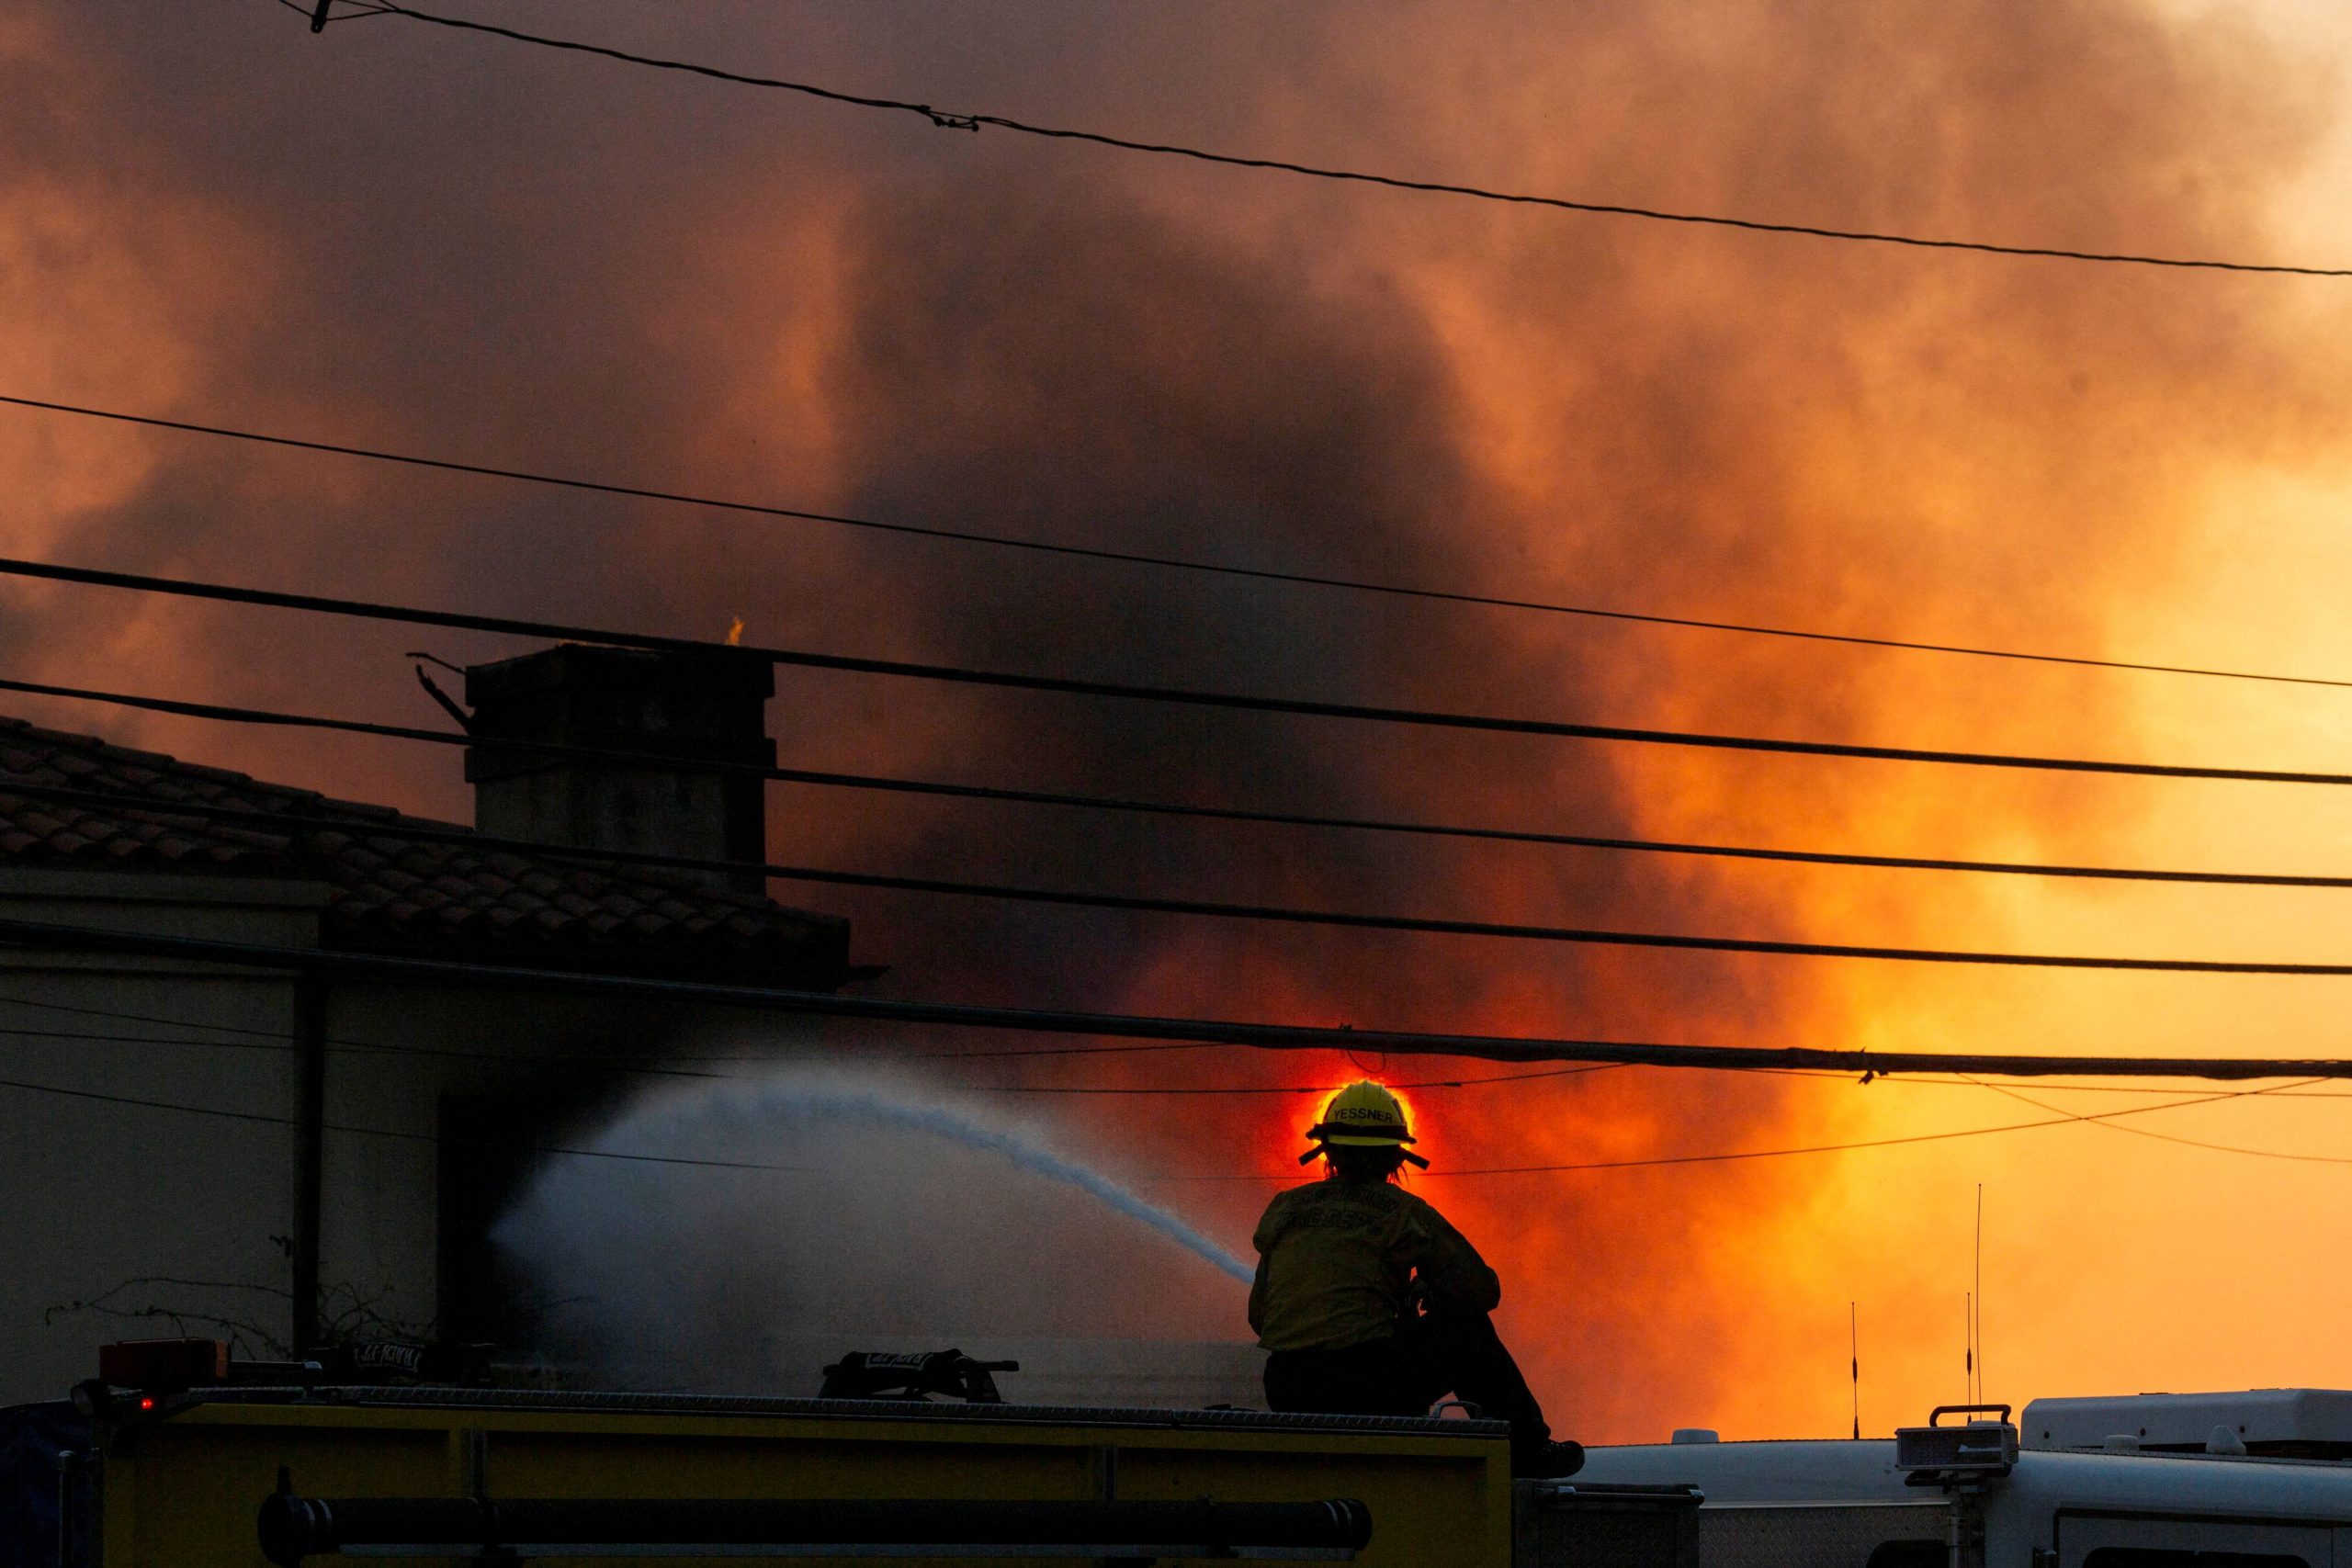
(1461, 1352)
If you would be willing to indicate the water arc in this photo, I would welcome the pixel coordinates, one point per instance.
(669, 1125)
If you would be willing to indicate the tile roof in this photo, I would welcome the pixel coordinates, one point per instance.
(390, 894)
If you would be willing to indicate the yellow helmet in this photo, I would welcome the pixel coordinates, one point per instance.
(1362, 1116)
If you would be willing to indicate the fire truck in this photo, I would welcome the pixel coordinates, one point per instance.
(177, 1456)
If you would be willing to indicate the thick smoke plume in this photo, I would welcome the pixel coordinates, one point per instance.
(387, 235)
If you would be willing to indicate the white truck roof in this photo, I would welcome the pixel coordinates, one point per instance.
(2300, 1422)
(2147, 1476)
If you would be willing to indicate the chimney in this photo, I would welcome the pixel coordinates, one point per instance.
(707, 705)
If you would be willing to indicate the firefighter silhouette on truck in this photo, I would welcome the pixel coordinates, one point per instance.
(1369, 1303)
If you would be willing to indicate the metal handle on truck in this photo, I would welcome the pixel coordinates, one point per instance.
(293, 1527)
(1934, 1416)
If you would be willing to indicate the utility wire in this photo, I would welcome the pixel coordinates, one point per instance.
(355, 13)
(2112, 1119)
(1611, 1164)
(2059, 1118)
(964, 675)
(1729, 1156)
(1973, 1081)
(1116, 1092)
(755, 1165)
(53, 936)
(273, 1039)
(282, 1043)
(410, 828)
(1346, 920)
(255, 1116)
(958, 120)
(2177, 1138)
(285, 1044)
(1129, 558)
(864, 1053)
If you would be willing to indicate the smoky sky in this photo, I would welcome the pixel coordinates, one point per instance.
(393, 235)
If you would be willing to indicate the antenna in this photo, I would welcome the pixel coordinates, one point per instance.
(1854, 1347)
(1968, 1347)
(1979, 1396)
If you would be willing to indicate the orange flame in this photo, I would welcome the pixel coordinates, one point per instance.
(735, 633)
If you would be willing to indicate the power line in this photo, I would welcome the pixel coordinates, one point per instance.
(1876, 1076)
(52, 936)
(1116, 1091)
(255, 1116)
(1130, 557)
(2059, 1119)
(2177, 1138)
(865, 1054)
(2105, 1118)
(282, 1042)
(285, 1044)
(1972, 1081)
(1000, 795)
(957, 120)
(1412, 924)
(277, 1040)
(1619, 1164)
(359, 11)
(370, 1046)
(2108, 1119)
(1521, 931)
(182, 1109)
(1733, 1155)
(964, 675)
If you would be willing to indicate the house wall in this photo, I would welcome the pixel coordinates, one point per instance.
(137, 1210)
(127, 1220)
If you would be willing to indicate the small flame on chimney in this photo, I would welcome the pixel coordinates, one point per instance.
(735, 633)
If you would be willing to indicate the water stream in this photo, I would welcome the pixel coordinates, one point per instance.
(770, 1112)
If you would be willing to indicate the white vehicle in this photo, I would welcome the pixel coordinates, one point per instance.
(2251, 1479)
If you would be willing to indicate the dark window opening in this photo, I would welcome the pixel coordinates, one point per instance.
(491, 1148)
(1909, 1554)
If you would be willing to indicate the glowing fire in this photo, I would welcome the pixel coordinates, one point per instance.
(735, 633)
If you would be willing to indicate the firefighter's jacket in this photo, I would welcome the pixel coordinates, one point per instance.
(1338, 1261)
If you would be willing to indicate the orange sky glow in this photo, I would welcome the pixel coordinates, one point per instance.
(442, 246)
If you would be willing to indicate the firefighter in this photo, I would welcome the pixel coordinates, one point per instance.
(1370, 1304)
